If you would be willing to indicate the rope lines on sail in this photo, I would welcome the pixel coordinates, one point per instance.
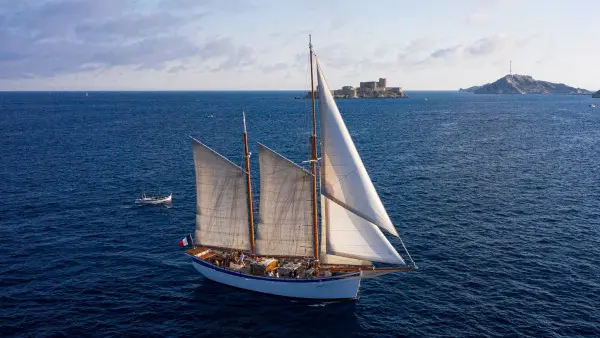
(285, 203)
(283, 229)
(227, 219)
(221, 205)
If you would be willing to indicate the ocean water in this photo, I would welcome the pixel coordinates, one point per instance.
(496, 197)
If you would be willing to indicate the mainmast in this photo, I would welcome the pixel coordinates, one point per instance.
(249, 185)
(313, 160)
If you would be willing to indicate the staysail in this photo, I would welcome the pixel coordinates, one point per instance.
(221, 202)
(285, 227)
(353, 207)
(324, 256)
(349, 235)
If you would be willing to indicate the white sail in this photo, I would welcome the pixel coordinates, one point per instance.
(349, 235)
(327, 258)
(285, 227)
(345, 179)
(221, 201)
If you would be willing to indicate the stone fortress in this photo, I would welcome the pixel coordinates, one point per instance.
(368, 89)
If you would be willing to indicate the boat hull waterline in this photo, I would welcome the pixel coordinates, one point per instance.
(339, 287)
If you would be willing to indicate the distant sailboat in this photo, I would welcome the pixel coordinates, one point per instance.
(283, 256)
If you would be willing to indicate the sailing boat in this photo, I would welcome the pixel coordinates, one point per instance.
(283, 256)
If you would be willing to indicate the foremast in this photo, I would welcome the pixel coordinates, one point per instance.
(249, 185)
(313, 160)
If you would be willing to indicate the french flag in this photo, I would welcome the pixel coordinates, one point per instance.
(186, 241)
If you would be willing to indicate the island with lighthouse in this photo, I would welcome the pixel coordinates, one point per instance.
(524, 84)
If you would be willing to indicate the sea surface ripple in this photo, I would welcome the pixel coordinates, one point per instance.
(496, 197)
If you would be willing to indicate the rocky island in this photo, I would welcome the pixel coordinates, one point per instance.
(597, 94)
(524, 84)
(368, 89)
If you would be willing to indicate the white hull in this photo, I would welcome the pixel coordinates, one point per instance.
(154, 200)
(345, 287)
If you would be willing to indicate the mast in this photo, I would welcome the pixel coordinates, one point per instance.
(249, 185)
(313, 160)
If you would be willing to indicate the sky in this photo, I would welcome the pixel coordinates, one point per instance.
(263, 45)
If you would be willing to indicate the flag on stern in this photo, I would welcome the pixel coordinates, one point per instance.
(186, 241)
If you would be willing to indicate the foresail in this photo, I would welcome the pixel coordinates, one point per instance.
(221, 202)
(285, 227)
(344, 177)
(349, 235)
(327, 258)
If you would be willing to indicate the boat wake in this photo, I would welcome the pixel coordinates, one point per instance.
(324, 304)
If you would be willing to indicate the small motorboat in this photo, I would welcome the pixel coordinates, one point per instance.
(143, 199)
(592, 105)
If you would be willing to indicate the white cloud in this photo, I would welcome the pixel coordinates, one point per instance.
(72, 36)
(492, 46)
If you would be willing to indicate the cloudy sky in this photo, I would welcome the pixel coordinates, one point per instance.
(244, 45)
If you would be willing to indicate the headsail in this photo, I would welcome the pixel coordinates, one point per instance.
(346, 180)
(351, 208)
(285, 226)
(349, 235)
(221, 202)
(324, 256)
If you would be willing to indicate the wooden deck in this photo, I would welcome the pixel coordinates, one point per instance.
(207, 254)
(201, 253)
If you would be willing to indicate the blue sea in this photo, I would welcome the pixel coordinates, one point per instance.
(496, 197)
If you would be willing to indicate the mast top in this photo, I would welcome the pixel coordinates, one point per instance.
(310, 42)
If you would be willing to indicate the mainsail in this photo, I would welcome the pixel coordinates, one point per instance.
(285, 227)
(353, 207)
(221, 202)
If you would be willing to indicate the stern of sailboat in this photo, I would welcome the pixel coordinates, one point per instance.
(201, 253)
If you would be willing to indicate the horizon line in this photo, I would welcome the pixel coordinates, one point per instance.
(184, 90)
